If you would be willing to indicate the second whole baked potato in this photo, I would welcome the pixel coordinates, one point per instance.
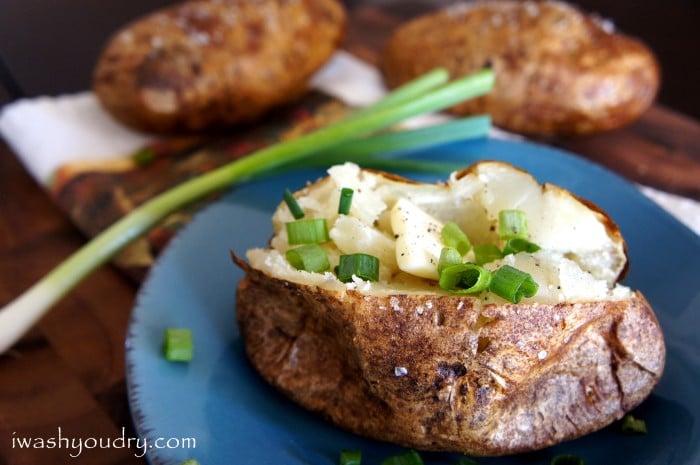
(558, 70)
(403, 360)
(205, 64)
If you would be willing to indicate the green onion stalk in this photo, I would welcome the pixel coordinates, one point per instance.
(429, 93)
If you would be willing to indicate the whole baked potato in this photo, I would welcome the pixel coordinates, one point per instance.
(205, 64)
(558, 70)
(402, 359)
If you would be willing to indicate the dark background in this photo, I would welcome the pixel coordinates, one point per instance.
(50, 46)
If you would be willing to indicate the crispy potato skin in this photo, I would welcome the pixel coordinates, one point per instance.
(557, 69)
(491, 380)
(202, 64)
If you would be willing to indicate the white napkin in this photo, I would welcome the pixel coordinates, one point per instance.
(47, 132)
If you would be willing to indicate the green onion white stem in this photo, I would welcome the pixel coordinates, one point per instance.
(22, 313)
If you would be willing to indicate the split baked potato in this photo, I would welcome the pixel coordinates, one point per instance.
(402, 359)
(558, 70)
(204, 64)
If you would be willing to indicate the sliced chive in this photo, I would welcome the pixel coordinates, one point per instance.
(466, 461)
(178, 345)
(486, 253)
(410, 457)
(308, 257)
(632, 425)
(448, 256)
(144, 156)
(567, 459)
(293, 205)
(310, 231)
(517, 244)
(350, 457)
(512, 284)
(512, 224)
(465, 278)
(362, 265)
(453, 236)
(345, 201)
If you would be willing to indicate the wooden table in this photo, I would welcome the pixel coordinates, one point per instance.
(68, 373)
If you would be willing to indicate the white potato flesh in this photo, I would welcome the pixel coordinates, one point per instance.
(418, 239)
(350, 235)
(400, 223)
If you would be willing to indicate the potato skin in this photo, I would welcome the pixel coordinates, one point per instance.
(558, 71)
(491, 380)
(207, 64)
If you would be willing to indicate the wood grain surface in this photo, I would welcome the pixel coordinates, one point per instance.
(67, 376)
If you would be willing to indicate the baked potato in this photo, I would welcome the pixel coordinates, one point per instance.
(558, 70)
(204, 64)
(403, 359)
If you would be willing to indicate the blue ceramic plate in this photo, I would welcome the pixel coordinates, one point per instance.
(234, 417)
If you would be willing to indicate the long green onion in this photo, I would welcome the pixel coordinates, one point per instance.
(453, 236)
(362, 265)
(293, 205)
(448, 256)
(21, 314)
(307, 231)
(517, 244)
(465, 278)
(512, 224)
(370, 151)
(512, 284)
(410, 457)
(486, 253)
(308, 257)
(178, 345)
(345, 201)
(350, 457)
(409, 91)
(414, 139)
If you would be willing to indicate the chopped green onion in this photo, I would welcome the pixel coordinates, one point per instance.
(362, 265)
(448, 257)
(567, 459)
(512, 284)
(310, 231)
(410, 457)
(293, 205)
(308, 257)
(190, 462)
(464, 278)
(23, 312)
(517, 244)
(486, 253)
(350, 457)
(512, 224)
(467, 461)
(144, 156)
(177, 344)
(632, 425)
(345, 201)
(453, 236)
